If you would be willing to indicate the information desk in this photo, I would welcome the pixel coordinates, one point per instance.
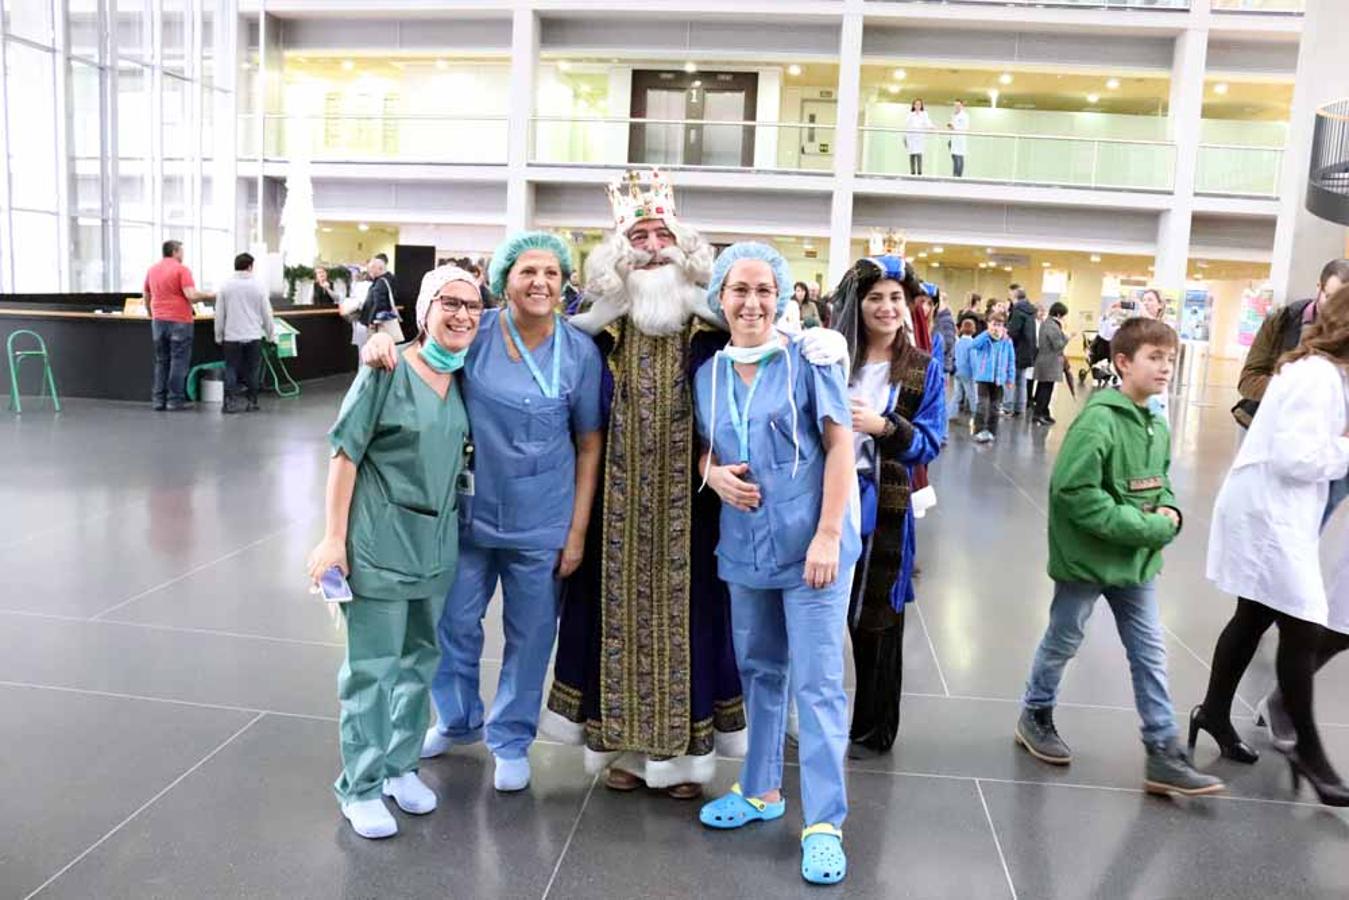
(111, 357)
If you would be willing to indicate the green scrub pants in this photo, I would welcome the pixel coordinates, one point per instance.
(384, 688)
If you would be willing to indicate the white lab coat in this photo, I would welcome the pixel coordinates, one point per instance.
(919, 123)
(960, 123)
(1265, 539)
(1335, 563)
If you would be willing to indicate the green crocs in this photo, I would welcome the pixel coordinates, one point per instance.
(822, 858)
(735, 809)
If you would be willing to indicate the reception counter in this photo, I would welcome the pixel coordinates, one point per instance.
(111, 357)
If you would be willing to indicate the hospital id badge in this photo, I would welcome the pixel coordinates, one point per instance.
(467, 484)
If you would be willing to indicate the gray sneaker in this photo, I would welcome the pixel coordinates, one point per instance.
(1169, 772)
(1036, 732)
(1270, 713)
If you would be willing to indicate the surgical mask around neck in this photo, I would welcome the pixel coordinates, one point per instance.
(751, 355)
(442, 360)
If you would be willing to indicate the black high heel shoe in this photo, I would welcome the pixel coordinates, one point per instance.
(1330, 793)
(1234, 748)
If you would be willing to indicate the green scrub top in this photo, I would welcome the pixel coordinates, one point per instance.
(408, 447)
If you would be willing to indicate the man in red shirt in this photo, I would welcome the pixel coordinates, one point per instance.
(169, 294)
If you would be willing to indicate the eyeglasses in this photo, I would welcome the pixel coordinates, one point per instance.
(742, 292)
(452, 305)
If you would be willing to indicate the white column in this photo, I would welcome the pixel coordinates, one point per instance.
(1304, 243)
(65, 165)
(845, 144)
(1187, 102)
(524, 63)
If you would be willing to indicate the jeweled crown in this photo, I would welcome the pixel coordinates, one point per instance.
(631, 203)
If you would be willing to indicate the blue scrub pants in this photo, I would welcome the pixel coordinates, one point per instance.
(795, 634)
(530, 600)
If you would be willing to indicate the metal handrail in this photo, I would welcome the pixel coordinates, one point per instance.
(946, 132)
(629, 120)
(342, 117)
(1179, 6)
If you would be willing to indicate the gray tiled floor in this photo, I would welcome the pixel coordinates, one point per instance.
(167, 694)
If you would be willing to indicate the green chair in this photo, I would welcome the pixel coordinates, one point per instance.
(18, 356)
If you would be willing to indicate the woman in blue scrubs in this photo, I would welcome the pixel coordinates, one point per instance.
(780, 456)
(532, 388)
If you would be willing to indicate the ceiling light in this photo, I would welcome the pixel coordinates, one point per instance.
(990, 250)
(923, 255)
(326, 229)
(445, 64)
(1096, 257)
(983, 265)
(1044, 265)
(899, 74)
(1093, 98)
(690, 67)
(1005, 78)
(563, 65)
(1112, 84)
(348, 65)
(793, 70)
(935, 265)
(938, 249)
(697, 82)
(1007, 268)
(1220, 87)
(892, 88)
(361, 226)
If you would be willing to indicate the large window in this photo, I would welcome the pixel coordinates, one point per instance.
(113, 120)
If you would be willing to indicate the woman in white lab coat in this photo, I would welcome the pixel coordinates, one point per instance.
(915, 138)
(1265, 541)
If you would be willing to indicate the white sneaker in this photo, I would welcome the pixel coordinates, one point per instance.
(435, 743)
(410, 793)
(370, 818)
(511, 774)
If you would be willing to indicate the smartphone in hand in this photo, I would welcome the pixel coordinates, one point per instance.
(333, 586)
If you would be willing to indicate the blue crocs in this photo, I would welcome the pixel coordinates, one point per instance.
(735, 809)
(822, 858)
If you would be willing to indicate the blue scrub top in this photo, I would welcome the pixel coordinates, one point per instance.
(766, 548)
(525, 459)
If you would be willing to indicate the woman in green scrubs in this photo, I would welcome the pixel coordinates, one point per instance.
(392, 528)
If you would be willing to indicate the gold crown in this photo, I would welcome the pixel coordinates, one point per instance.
(631, 204)
(891, 243)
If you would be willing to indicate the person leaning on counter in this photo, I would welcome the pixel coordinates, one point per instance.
(169, 294)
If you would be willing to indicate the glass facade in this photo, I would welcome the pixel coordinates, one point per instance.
(112, 112)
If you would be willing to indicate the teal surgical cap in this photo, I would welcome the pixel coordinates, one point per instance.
(503, 259)
(749, 250)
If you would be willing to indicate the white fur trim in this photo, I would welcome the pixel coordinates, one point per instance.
(559, 728)
(664, 773)
(596, 762)
(732, 744)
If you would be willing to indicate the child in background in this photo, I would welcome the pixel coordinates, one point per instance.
(993, 359)
(963, 387)
(1111, 511)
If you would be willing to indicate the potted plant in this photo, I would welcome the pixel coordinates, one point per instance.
(299, 285)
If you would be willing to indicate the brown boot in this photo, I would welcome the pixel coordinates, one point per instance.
(619, 780)
(689, 790)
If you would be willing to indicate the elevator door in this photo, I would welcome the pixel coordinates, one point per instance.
(697, 102)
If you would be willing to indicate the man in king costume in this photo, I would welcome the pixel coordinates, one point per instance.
(645, 675)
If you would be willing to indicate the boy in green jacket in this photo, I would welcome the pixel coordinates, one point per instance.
(1111, 511)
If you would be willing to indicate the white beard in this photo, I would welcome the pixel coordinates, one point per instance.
(661, 301)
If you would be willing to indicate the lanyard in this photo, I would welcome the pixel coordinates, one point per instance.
(738, 422)
(549, 390)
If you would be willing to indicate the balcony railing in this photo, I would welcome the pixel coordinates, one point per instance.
(682, 143)
(1084, 4)
(1053, 160)
(1328, 177)
(1232, 170)
(1285, 7)
(448, 139)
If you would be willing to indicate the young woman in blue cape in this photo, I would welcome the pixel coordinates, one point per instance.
(532, 387)
(898, 421)
(780, 456)
(398, 448)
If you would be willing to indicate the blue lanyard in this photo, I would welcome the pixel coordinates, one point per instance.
(549, 390)
(738, 422)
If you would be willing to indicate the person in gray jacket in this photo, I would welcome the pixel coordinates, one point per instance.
(243, 317)
(1049, 361)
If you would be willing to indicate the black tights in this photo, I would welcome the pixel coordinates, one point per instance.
(1304, 647)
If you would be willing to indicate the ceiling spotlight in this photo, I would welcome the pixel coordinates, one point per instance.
(1005, 78)
(1045, 264)
(1112, 84)
(793, 70)
(326, 229)
(690, 67)
(983, 265)
(1096, 257)
(348, 65)
(1007, 268)
(1220, 87)
(990, 250)
(892, 88)
(361, 226)
(936, 265)
(562, 65)
(899, 74)
(697, 82)
(1093, 98)
(923, 255)
(938, 249)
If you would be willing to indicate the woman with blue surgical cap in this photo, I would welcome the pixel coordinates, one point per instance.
(392, 529)
(780, 455)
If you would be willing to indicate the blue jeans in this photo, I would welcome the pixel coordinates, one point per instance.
(962, 391)
(793, 638)
(1015, 401)
(529, 596)
(173, 357)
(1140, 629)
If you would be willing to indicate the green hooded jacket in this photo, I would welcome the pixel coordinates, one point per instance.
(1111, 477)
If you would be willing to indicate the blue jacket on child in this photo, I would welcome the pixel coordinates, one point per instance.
(994, 361)
(964, 357)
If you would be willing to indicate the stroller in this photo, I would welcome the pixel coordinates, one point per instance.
(1099, 367)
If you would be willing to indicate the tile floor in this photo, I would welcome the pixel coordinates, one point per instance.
(167, 694)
